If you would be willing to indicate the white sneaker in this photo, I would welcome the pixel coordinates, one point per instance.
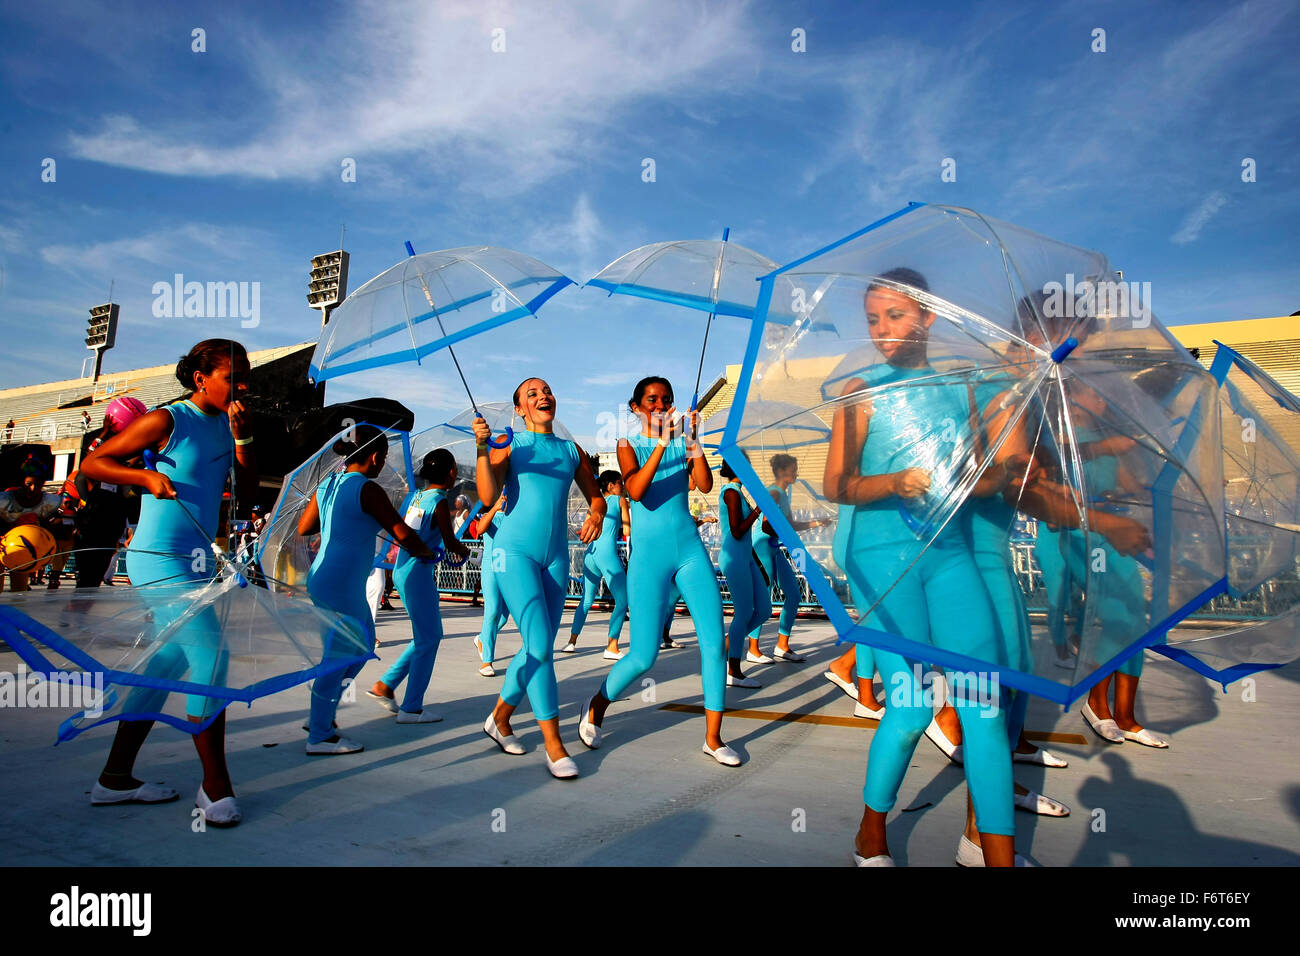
(222, 813)
(328, 748)
(1106, 729)
(759, 658)
(145, 793)
(508, 743)
(588, 732)
(562, 769)
(934, 733)
(724, 755)
(487, 670)
(423, 717)
(1040, 757)
(388, 703)
(1148, 738)
(569, 648)
(849, 688)
(866, 713)
(788, 655)
(882, 859)
(968, 854)
(742, 682)
(612, 656)
(1041, 805)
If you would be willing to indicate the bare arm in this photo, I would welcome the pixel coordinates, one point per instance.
(148, 432)
(590, 529)
(309, 520)
(637, 478)
(738, 526)
(841, 481)
(450, 543)
(376, 504)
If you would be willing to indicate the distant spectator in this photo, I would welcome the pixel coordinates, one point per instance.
(9, 430)
(85, 421)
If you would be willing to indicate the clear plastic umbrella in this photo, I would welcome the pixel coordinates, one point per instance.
(286, 556)
(178, 652)
(429, 302)
(977, 372)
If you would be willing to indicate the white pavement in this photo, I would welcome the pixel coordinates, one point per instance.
(1226, 793)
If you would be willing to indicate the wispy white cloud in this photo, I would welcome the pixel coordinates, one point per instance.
(1198, 218)
(416, 91)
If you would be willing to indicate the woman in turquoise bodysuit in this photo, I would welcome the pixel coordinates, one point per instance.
(417, 583)
(536, 469)
(349, 510)
(194, 443)
(751, 597)
(666, 550)
(602, 562)
(767, 548)
(878, 470)
(495, 614)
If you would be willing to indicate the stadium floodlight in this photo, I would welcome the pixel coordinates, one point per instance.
(101, 332)
(329, 282)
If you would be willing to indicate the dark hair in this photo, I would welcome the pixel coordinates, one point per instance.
(902, 276)
(725, 470)
(437, 465)
(365, 441)
(518, 388)
(639, 392)
(206, 357)
(606, 479)
(781, 461)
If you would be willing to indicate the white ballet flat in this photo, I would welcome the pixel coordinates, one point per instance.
(613, 655)
(968, 854)
(562, 769)
(934, 733)
(388, 703)
(145, 793)
(1041, 805)
(423, 717)
(569, 648)
(1040, 757)
(1107, 729)
(788, 655)
(742, 682)
(332, 748)
(1148, 738)
(487, 670)
(222, 813)
(759, 658)
(883, 859)
(723, 755)
(510, 744)
(588, 732)
(850, 689)
(866, 713)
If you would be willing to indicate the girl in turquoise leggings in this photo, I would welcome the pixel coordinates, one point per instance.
(194, 442)
(937, 598)
(417, 583)
(532, 546)
(751, 597)
(666, 550)
(495, 614)
(767, 548)
(602, 562)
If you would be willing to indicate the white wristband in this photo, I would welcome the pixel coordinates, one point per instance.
(663, 443)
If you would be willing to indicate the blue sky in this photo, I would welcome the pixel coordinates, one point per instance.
(225, 165)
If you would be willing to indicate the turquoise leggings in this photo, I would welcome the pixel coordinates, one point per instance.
(534, 595)
(495, 614)
(419, 590)
(941, 601)
(652, 573)
(751, 601)
(778, 568)
(593, 570)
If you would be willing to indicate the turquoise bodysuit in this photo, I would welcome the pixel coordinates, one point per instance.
(533, 549)
(935, 598)
(751, 600)
(337, 580)
(197, 458)
(665, 550)
(602, 561)
(417, 584)
(768, 550)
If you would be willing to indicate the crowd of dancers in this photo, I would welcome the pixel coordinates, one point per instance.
(962, 594)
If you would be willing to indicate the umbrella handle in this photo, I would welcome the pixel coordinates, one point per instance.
(504, 440)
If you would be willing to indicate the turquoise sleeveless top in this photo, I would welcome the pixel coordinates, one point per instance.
(337, 577)
(537, 489)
